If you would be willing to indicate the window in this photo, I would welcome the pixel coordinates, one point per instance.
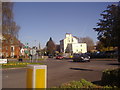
(12, 49)
(68, 40)
(72, 40)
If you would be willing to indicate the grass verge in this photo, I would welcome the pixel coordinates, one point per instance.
(18, 64)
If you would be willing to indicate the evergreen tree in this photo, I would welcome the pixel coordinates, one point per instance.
(108, 27)
(50, 46)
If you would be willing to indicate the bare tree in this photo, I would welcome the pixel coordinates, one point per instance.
(89, 42)
(9, 26)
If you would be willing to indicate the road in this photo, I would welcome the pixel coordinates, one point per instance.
(59, 72)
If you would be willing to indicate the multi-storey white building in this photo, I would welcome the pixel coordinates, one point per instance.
(70, 44)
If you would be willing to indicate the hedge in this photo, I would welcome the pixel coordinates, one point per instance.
(111, 77)
(83, 84)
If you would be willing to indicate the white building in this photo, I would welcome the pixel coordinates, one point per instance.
(70, 44)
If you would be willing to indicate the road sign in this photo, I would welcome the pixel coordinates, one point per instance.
(3, 61)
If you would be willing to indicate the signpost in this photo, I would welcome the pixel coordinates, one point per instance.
(36, 76)
(3, 61)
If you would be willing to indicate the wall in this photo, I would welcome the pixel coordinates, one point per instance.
(71, 42)
(79, 48)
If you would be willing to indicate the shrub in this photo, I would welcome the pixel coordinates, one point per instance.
(79, 84)
(111, 77)
(84, 84)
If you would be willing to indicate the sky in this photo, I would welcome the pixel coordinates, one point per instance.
(41, 20)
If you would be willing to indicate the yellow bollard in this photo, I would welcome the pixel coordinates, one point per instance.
(36, 76)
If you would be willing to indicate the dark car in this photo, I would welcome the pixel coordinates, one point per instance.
(81, 58)
(104, 54)
(50, 56)
(59, 57)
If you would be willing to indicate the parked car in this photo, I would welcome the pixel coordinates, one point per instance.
(50, 56)
(81, 57)
(98, 55)
(111, 54)
(104, 54)
(59, 57)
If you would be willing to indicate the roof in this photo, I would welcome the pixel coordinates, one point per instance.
(76, 37)
(68, 33)
(12, 39)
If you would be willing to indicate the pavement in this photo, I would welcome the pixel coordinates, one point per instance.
(60, 71)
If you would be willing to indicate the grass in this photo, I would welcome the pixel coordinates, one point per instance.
(17, 64)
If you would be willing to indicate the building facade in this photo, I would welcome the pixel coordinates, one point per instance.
(70, 44)
(10, 48)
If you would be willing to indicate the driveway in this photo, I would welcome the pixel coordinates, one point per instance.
(61, 71)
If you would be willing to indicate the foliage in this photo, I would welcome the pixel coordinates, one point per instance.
(17, 64)
(106, 32)
(111, 77)
(89, 42)
(50, 46)
(9, 26)
(100, 47)
(39, 59)
(78, 84)
(108, 27)
(82, 84)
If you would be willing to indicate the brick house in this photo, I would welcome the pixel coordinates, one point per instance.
(11, 47)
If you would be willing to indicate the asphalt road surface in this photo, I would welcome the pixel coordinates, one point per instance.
(60, 71)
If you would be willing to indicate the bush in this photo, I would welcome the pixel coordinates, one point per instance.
(111, 77)
(82, 84)
(21, 56)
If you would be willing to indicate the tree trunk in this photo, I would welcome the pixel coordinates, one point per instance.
(118, 53)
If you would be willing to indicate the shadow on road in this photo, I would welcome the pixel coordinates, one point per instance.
(103, 59)
(81, 69)
(97, 82)
(77, 62)
(117, 64)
